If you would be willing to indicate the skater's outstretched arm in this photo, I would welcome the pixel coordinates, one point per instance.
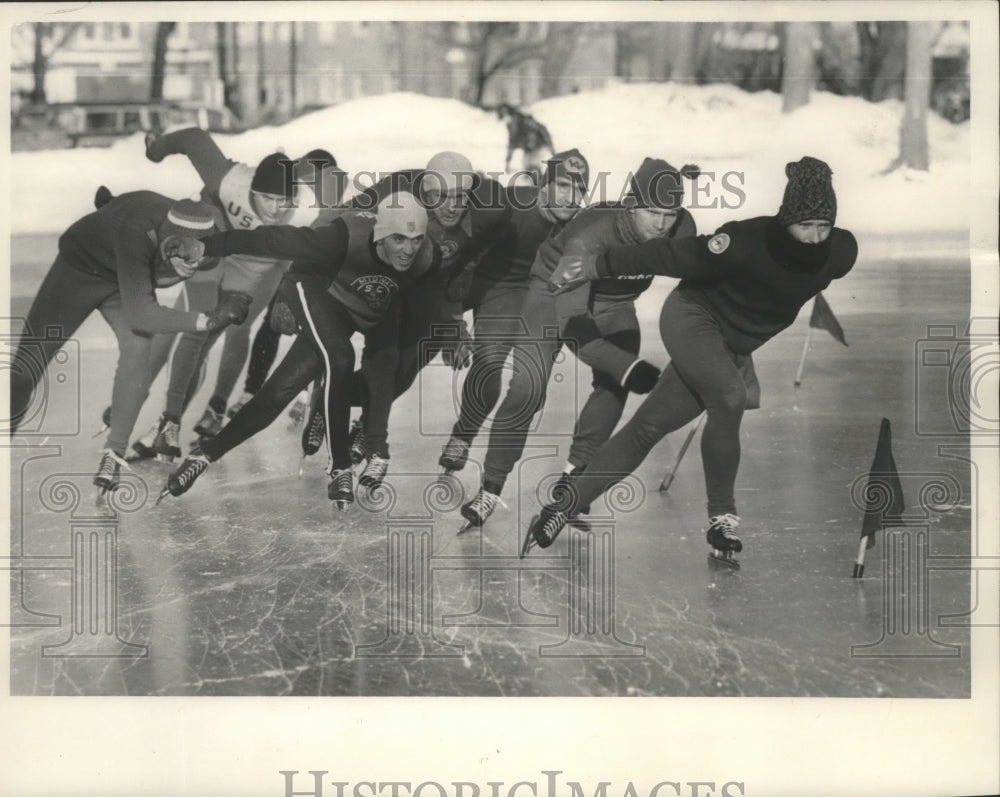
(201, 150)
(323, 245)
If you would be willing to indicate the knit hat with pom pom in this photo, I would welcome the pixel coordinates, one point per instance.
(657, 184)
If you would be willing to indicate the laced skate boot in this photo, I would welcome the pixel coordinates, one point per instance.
(109, 471)
(454, 455)
(341, 489)
(374, 473)
(144, 447)
(210, 424)
(168, 441)
(564, 493)
(359, 446)
(721, 535)
(182, 479)
(240, 402)
(544, 529)
(314, 433)
(479, 509)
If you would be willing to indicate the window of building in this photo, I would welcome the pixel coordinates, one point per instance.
(89, 30)
(125, 30)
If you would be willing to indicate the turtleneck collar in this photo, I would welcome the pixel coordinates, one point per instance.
(625, 228)
(792, 254)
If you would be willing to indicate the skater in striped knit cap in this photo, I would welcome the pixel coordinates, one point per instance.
(739, 288)
(113, 260)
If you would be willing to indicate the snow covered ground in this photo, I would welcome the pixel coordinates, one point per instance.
(719, 127)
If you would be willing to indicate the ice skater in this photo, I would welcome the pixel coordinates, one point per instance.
(245, 197)
(500, 284)
(739, 288)
(346, 277)
(599, 322)
(113, 260)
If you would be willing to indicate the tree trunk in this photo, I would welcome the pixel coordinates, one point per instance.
(293, 68)
(163, 31)
(39, 64)
(913, 130)
(558, 49)
(799, 67)
(883, 59)
(684, 63)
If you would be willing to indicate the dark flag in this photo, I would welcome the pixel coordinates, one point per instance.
(823, 318)
(883, 495)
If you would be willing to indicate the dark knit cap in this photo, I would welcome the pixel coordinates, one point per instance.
(275, 175)
(568, 164)
(809, 193)
(657, 184)
(319, 158)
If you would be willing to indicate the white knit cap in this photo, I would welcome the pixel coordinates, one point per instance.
(401, 214)
(447, 171)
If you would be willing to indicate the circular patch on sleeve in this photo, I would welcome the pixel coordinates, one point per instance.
(718, 244)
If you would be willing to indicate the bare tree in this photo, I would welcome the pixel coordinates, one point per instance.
(230, 87)
(799, 65)
(883, 59)
(913, 150)
(48, 38)
(496, 46)
(163, 31)
(684, 63)
(560, 42)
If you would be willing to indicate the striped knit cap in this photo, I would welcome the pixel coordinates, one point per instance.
(809, 193)
(188, 217)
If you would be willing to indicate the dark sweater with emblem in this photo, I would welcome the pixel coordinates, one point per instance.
(751, 275)
(342, 254)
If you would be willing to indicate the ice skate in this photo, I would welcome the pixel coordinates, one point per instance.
(209, 425)
(108, 473)
(105, 421)
(544, 529)
(479, 509)
(144, 446)
(238, 405)
(313, 436)
(359, 446)
(182, 479)
(721, 535)
(167, 443)
(341, 489)
(454, 455)
(374, 472)
(564, 492)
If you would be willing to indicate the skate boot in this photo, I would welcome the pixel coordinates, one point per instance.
(479, 509)
(564, 493)
(721, 535)
(105, 421)
(168, 441)
(359, 446)
(182, 479)
(314, 433)
(544, 529)
(109, 471)
(210, 424)
(144, 447)
(374, 472)
(454, 455)
(240, 402)
(341, 489)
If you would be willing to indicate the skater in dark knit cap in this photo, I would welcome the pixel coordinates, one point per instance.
(599, 322)
(346, 278)
(113, 260)
(739, 288)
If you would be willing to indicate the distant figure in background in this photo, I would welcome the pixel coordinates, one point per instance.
(526, 135)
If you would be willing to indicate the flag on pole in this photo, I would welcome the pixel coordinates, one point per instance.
(883, 495)
(823, 318)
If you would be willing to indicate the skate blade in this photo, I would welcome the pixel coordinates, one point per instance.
(723, 558)
(343, 506)
(163, 494)
(466, 527)
(167, 459)
(302, 464)
(579, 523)
(99, 432)
(529, 540)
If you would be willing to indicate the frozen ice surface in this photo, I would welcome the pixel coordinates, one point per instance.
(253, 584)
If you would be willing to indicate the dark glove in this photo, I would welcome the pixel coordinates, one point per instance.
(458, 354)
(232, 308)
(642, 377)
(282, 320)
(571, 271)
(151, 148)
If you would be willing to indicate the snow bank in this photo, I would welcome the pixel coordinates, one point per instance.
(721, 128)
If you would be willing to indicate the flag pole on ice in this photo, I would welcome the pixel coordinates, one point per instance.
(822, 317)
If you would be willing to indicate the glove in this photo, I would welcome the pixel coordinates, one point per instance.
(232, 308)
(190, 250)
(459, 354)
(571, 271)
(641, 377)
(151, 154)
(282, 320)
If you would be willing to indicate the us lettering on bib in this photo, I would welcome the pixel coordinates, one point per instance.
(718, 244)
